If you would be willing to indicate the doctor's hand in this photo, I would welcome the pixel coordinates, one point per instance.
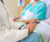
(31, 27)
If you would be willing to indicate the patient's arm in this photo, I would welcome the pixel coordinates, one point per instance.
(27, 21)
(17, 17)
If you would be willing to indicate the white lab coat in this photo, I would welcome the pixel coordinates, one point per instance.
(7, 34)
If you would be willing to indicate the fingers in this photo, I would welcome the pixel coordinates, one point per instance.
(31, 27)
(34, 25)
(28, 27)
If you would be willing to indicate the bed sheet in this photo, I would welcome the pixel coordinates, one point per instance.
(44, 28)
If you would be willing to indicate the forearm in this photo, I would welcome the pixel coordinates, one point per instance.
(17, 17)
(30, 21)
(27, 21)
(33, 20)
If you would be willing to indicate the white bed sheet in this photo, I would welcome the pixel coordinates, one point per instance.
(44, 28)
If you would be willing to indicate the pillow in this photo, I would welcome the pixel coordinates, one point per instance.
(48, 7)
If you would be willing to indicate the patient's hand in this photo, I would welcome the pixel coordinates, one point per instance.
(31, 27)
(14, 19)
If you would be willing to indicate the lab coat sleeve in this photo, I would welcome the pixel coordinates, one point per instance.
(15, 35)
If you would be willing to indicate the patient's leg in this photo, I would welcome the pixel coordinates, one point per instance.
(33, 37)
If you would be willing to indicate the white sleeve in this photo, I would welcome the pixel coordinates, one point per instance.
(15, 35)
